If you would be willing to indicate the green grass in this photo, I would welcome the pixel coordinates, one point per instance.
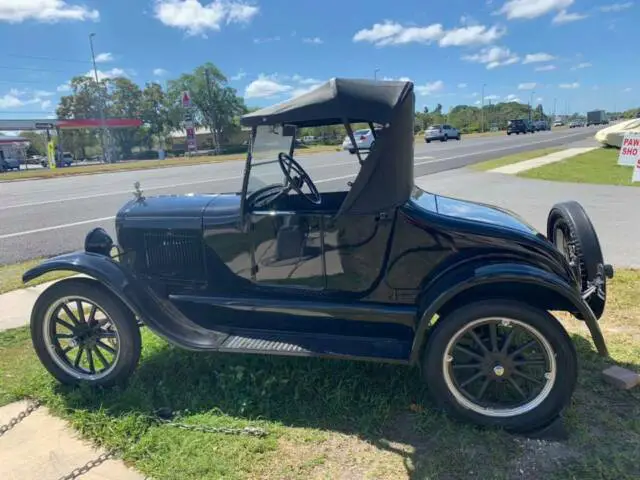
(597, 166)
(509, 159)
(138, 165)
(11, 275)
(337, 419)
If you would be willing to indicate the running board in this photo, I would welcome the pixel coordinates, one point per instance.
(314, 345)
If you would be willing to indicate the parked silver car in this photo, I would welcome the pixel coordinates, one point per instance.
(441, 132)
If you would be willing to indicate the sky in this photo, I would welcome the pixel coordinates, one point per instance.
(578, 55)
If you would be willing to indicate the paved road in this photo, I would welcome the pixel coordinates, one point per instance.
(48, 217)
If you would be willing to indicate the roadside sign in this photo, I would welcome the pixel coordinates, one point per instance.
(630, 149)
(186, 99)
(191, 144)
(636, 172)
(51, 154)
(43, 126)
(191, 133)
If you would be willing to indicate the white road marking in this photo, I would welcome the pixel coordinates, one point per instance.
(496, 149)
(146, 189)
(55, 227)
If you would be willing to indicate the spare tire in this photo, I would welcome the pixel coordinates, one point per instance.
(571, 231)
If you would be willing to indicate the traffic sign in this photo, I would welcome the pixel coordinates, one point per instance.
(186, 99)
(43, 126)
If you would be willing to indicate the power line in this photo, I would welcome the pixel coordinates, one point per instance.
(32, 69)
(35, 57)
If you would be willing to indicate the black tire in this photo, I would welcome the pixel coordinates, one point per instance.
(508, 133)
(352, 151)
(444, 139)
(128, 333)
(572, 220)
(428, 141)
(557, 390)
(372, 145)
(458, 137)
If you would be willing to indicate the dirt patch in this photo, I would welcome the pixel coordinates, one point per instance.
(540, 458)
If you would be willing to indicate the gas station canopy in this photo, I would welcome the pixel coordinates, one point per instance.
(49, 123)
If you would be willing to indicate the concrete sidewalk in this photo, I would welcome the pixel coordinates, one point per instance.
(612, 209)
(15, 306)
(525, 165)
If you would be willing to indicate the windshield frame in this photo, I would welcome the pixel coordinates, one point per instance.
(249, 164)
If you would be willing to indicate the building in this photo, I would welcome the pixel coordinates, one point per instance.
(13, 146)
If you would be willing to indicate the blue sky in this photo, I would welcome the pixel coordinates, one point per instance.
(581, 52)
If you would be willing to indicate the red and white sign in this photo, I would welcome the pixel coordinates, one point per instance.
(636, 172)
(186, 100)
(630, 149)
(191, 133)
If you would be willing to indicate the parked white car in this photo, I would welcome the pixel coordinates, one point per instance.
(364, 140)
(441, 132)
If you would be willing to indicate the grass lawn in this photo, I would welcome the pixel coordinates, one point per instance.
(509, 159)
(138, 165)
(338, 419)
(596, 166)
(11, 275)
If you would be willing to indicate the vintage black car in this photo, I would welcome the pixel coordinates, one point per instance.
(377, 269)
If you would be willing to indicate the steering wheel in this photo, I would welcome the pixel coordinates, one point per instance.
(288, 164)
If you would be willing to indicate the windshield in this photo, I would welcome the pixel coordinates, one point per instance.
(268, 143)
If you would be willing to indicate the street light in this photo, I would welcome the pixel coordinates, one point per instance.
(482, 109)
(375, 73)
(100, 103)
(531, 105)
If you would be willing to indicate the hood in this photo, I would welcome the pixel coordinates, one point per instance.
(471, 211)
(165, 211)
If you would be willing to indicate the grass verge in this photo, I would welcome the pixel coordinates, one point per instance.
(509, 159)
(137, 165)
(11, 275)
(597, 166)
(338, 419)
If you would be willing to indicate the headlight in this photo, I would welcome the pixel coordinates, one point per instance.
(98, 241)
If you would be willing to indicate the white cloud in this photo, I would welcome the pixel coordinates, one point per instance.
(159, 72)
(45, 104)
(313, 40)
(491, 97)
(569, 85)
(104, 57)
(477, 102)
(545, 68)
(10, 101)
(539, 99)
(471, 35)
(628, 89)
(493, 57)
(49, 11)
(196, 18)
(582, 65)
(462, 85)
(305, 81)
(266, 39)
(512, 98)
(527, 86)
(265, 87)
(238, 76)
(43, 93)
(616, 7)
(566, 17)
(393, 33)
(65, 87)
(532, 8)
(538, 57)
(113, 73)
(430, 88)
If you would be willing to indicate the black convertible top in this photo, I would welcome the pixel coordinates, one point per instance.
(338, 101)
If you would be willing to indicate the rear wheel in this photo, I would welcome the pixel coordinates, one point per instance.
(428, 141)
(501, 364)
(445, 138)
(83, 334)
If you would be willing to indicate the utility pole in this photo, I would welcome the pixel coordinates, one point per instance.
(531, 105)
(482, 109)
(212, 112)
(101, 100)
(375, 73)
(555, 100)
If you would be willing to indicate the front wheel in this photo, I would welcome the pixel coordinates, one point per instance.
(83, 334)
(501, 364)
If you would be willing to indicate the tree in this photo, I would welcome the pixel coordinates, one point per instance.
(217, 106)
(124, 101)
(37, 142)
(159, 115)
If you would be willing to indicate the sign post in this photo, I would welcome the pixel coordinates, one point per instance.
(630, 149)
(636, 172)
(192, 144)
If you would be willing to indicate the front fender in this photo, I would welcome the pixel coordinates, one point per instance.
(442, 292)
(158, 313)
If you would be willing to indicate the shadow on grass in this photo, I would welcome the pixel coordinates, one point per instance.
(381, 404)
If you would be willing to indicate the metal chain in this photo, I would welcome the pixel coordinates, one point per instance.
(34, 405)
(252, 431)
(77, 472)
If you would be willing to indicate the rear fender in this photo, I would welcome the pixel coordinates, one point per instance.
(514, 281)
(158, 313)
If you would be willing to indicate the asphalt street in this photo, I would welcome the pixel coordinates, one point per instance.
(46, 217)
